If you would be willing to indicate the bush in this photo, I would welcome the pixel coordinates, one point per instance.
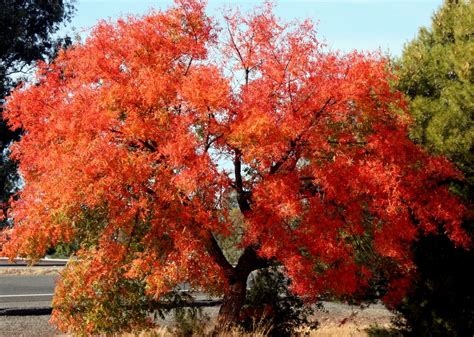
(189, 322)
(270, 303)
(441, 302)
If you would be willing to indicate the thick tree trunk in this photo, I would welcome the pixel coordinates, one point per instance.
(234, 295)
(229, 312)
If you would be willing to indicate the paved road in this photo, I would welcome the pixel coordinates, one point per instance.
(26, 291)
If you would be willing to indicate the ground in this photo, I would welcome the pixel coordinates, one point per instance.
(339, 320)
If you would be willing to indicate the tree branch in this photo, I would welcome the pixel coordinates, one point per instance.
(148, 144)
(295, 142)
(216, 253)
(188, 66)
(250, 261)
(242, 195)
(274, 168)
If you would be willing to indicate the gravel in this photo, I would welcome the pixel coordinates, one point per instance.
(27, 326)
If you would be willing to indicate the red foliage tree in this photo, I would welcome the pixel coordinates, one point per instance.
(138, 141)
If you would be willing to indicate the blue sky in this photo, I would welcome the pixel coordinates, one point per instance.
(343, 24)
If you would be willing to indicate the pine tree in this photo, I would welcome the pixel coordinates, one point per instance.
(437, 74)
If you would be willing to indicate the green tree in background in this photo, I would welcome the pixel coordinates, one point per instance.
(27, 34)
(437, 74)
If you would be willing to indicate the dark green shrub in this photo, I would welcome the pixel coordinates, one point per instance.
(270, 303)
(441, 302)
(189, 322)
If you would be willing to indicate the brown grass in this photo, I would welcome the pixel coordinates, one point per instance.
(333, 324)
(165, 332)
(346, 330)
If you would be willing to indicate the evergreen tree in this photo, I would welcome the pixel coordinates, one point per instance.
(437, 74)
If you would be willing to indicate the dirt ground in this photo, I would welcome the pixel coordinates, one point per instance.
(337, 320)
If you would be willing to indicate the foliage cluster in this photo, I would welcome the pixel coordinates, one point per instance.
(27, 29)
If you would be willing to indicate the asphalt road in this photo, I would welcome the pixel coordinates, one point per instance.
(36, 291)
(18, 291)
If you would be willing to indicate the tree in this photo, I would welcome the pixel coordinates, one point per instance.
(141, 140)
(27, 29)
(436, 72)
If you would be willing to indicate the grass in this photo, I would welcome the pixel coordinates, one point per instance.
(335, 322)
(347, 330)
(167, 332)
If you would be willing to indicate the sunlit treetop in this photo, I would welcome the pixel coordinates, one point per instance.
(141, 140)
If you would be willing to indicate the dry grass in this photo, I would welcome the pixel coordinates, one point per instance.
(166, 332)
(334, 323)
(347, 330)
(30, 270)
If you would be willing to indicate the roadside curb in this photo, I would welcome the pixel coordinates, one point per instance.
(20, 262)
(33, 311)
(30, 271)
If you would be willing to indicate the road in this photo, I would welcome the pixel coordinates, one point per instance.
(26, 291)
(36, 291)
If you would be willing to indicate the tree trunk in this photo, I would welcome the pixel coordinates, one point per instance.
(234, 297)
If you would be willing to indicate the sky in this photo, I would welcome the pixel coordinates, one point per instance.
(343, 24)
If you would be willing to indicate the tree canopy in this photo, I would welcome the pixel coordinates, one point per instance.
(140, 142)
(27, 29)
